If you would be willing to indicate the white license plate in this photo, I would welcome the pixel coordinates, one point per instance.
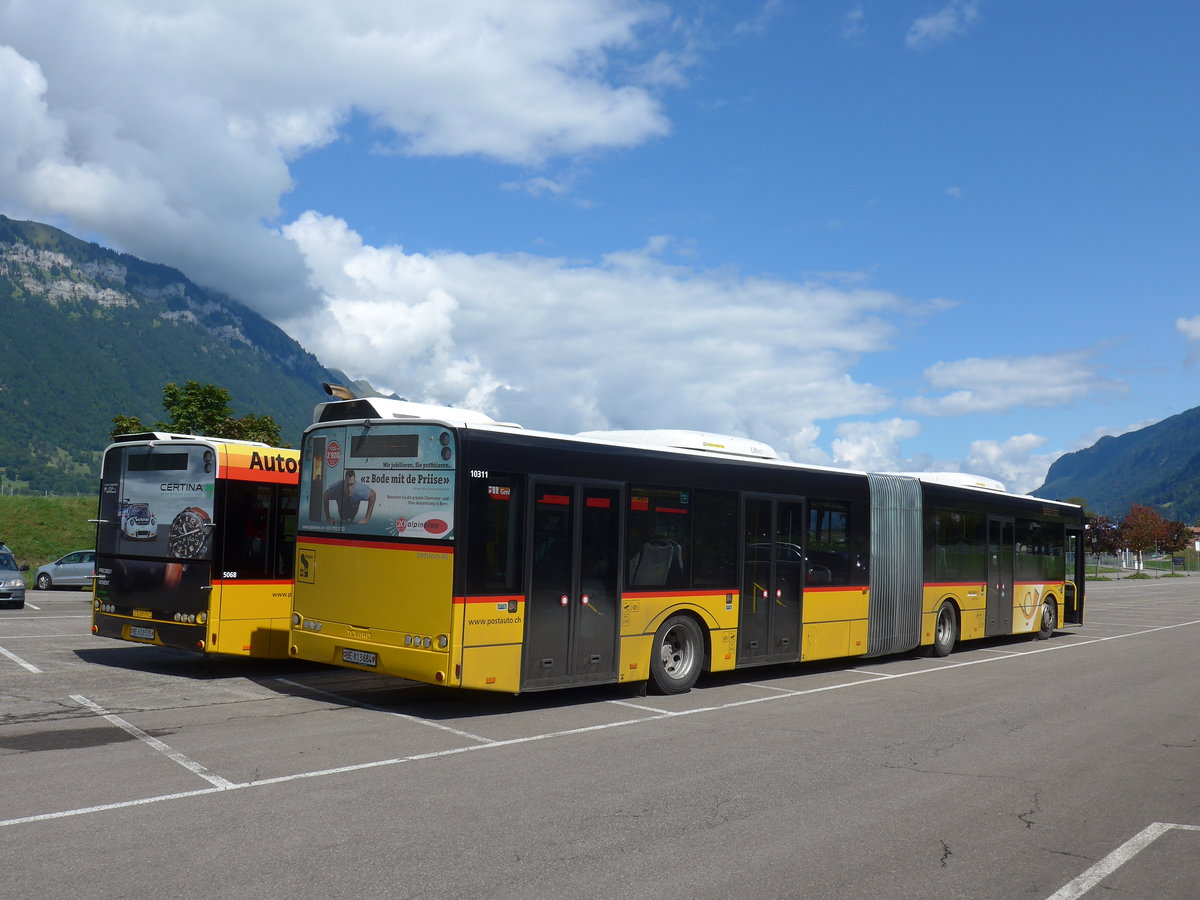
(142, 634)
(359, 657)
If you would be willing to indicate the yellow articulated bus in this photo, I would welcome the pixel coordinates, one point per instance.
(195, 544)
(437, 545)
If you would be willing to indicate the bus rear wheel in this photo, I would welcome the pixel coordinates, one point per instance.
(677, 655)
(945, 633)
(1049, 620)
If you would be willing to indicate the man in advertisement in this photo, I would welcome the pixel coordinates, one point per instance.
(349, 494)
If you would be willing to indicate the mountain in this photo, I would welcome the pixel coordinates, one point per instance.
(1157, 466)
(88, 333)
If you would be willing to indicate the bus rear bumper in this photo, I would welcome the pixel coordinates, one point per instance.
(149, 631)
(431, 666)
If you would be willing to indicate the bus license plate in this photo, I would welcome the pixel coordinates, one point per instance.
(143, 614)
(359, 657)
(142, 634)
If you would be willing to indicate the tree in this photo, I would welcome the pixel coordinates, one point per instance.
(203, 409)
(122, 424)
(1102, 538)
(1178, 537)
(1143, 529)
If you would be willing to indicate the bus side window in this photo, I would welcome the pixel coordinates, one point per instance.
(658, 537)
(495, 534)
(833, 545)
(1039, 548)
(283, 538)
(247, 531)
(715, 539)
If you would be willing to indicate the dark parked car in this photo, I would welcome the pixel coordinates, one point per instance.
(12, 582)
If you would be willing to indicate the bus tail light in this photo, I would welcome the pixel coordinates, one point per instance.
(439, 677)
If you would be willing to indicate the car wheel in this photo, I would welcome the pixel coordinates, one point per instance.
(43, 582)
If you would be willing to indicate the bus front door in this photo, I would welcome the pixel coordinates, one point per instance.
(1001, 560)
(1076, 563)
(773, 571)
(573, 613)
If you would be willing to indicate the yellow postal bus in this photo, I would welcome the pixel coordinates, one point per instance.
(195, 544)
(438, 545)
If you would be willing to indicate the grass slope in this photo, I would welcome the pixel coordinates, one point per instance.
(41, 529)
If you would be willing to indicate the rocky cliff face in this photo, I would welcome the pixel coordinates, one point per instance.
(87, 333)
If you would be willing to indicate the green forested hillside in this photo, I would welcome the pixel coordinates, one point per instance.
(89, 333)
(1158, 466)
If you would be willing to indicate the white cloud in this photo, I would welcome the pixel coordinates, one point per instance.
(872, 446)
(169, 128)
(1001, 383)
(949, 22)
(760, 22)
(1012, 461)
(628, 342)
(854, 25)
(1189, 328)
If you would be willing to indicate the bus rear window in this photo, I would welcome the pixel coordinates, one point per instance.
(402, 446)
(158, 462)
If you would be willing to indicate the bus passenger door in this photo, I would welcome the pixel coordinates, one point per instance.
(773, 570)
(1001, 559)
(1075, 564)
(573, 611)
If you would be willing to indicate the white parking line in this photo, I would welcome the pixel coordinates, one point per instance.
(492, 745)
(642, 707)
(173, 755)
(1123, 854)
(20, 662)
(348, 701)
(21, 637)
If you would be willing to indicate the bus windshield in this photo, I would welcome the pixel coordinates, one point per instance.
(384, 480)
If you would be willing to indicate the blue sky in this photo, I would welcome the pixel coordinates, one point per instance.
(887, 235)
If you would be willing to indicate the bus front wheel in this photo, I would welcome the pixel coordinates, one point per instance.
(677, 655)
(945, 634)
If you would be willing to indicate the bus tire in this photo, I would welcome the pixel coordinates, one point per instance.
(1049, 619)
(677, 655)
(945, 630)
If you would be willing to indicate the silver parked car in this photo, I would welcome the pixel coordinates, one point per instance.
(73, 570)
(12, 582)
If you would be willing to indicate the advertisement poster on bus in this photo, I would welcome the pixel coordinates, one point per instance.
(383, 480)
(162, 504)
(155, 541)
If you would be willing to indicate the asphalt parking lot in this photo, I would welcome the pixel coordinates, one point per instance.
(1059, 769)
